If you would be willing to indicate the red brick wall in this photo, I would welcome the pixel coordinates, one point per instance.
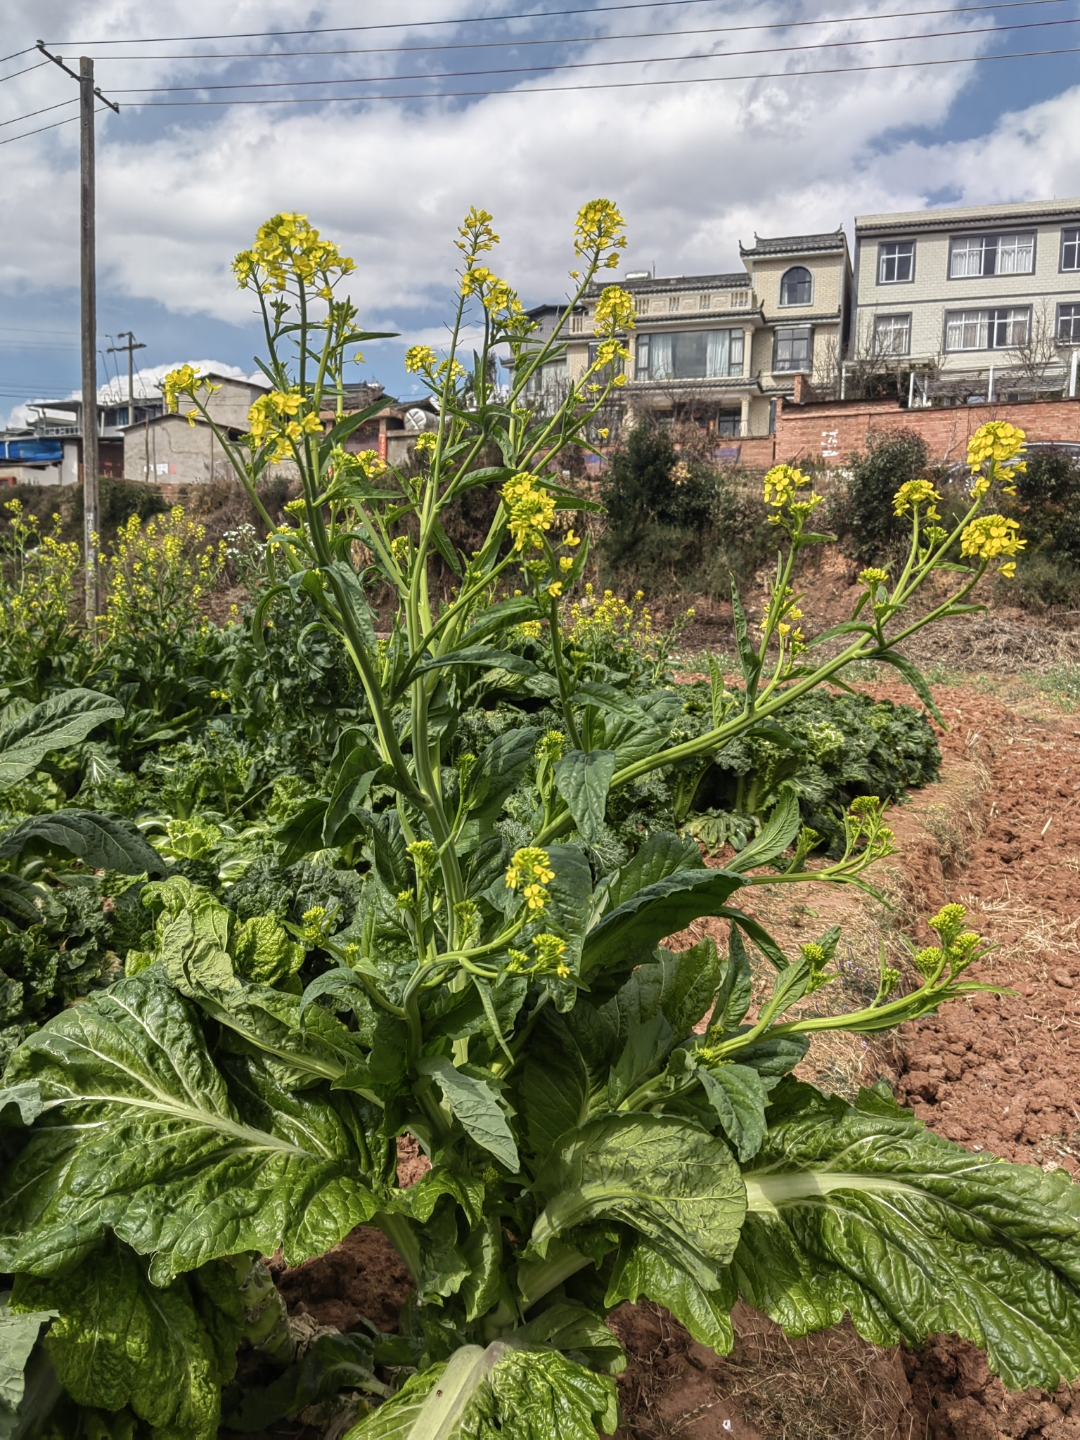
(831, 430)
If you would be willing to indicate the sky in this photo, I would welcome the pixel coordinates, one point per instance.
(389, 166)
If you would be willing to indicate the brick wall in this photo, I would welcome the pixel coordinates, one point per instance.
(830, 430)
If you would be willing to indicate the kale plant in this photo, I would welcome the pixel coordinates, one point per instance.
(606, 1119)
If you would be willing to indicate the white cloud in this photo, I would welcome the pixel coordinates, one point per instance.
(695, 168)
(147, 383)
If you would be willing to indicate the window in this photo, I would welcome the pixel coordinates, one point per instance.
(1068, 324)
(673, 303)
(892, 334)
(690, 355)
(729, 422)
(792, 351)
(896, 262)
(1002, 329)
(797, 286)
(992, 255)
(550, 380)
(594, 350)
(1070, 249)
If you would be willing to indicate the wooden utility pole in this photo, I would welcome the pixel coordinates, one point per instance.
(88, 93)
(128, 350)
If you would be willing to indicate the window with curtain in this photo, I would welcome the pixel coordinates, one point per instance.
(1000, 329)
(797, 286)
(690, 355)
(892, 334)
(896, 262)
(792, 348)
(992, 255)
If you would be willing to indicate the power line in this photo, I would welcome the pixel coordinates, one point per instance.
(418, 24)
(581, 39)
(24, 71)
(16, 54)
(55, 124)
(603, 85)
(593, 64)
(74, 100)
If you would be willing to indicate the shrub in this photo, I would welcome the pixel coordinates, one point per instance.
(863, 509)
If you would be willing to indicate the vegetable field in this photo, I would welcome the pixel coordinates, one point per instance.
(292, 901)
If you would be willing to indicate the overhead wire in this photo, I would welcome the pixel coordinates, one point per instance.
(602, 85)
(40, 129)
(591, 64)
(517, 42)
(71, 100)
(24, 71)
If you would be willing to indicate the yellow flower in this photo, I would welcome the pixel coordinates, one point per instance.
(529, 865)
(555, 590)
(1000, 444)
(614, 311)
(781, 482)
(532, 510)
(566, 562)
(990, 536)
(599, 229)
(476, 233)
(530, 629)
(419, 358)
(872, 577)
(912, 494)
(286, 249)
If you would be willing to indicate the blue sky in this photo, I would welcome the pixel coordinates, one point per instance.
(696, 167)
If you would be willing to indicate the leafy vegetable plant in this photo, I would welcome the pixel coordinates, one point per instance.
(605, 1118)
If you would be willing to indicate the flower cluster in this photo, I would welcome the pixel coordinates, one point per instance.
(280, 418)
(998, 446)
(186, 380)
(614, 311)
(598, 230)
(476, 234)
(530, 872)
(990, 536)
(914, 493)
(531, 508)
(37, 593)
(958, 947)
(158, 581)
(610, 621)
(781, 483)
(548, 960)
(288, 248)
(422, 360)
(873, 577)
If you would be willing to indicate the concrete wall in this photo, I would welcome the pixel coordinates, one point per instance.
(169, 449)
(229, 405)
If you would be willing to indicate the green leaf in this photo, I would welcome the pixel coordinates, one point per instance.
(609, 700)
(663, 854)
(583, 780)
(539, 1395)
(486, 657)
(671, 1182)
(913, 1235)
(21, 900)
(477, 1107)
(912, 674)
(783, 826)
(657, 910)
(647, 1047)
(397, 1418)
(736, 988)
(570, 1326)
(641, 1270)
(739, 1096)
(26, 1099)
(56, 724)
(263, 952)
(18, 1336)
(483, 1254)
(121, 1341)
(418, 1201)
(142, 1134)
(101, 842)
(555, 1084)
(748, 659)
(499, 770)
(303, 832)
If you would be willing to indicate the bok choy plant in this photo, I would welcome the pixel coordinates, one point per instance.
(606, 1118)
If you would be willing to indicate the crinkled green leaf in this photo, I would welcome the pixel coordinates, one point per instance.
(24, 1099)
(583, 780)
(101, 842)
(499, 770)
(143, 1134)
(120, 1341)
(783, 825)
(661, 855)
(739, 1096)
(570, 1326)
(676, 1185)
(540, 1395)
(396, 1419)
(643, 1271)
(477, 1106)
(18, 1335)
(647, 1047)
(263, 951)
(56, 724)
(419, 1200)
(555, 1084)
(855, 1210)
(658, 910)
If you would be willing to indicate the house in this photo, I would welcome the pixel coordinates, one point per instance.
(978, 302)
(720, 348)
(169, 448)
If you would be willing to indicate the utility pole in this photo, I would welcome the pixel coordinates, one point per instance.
(88, 92)
(128, 350)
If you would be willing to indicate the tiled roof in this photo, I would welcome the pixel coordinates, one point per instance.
(949, 217)
(664, 284)
(794, 244)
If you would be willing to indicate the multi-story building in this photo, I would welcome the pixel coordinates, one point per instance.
(720, 348)
(964, 292)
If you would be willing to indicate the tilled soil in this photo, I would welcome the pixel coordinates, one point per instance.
(1000, 834)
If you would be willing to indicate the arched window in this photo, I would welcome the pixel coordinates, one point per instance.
(797, 286)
